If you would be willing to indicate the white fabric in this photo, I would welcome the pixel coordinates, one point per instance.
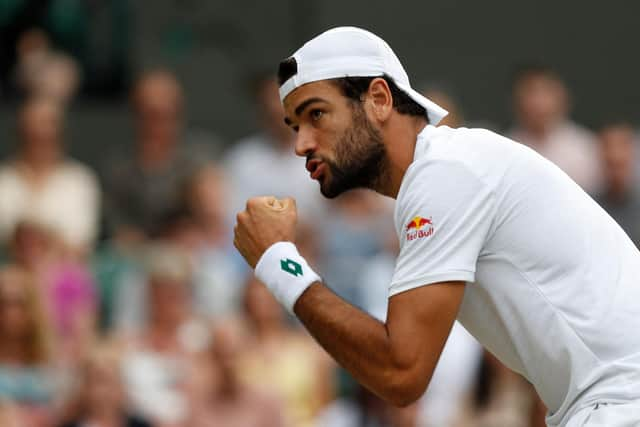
(68, 202)
(553, 283)
(353, 52)
(607, 415)
(285, 272)
(152, 382)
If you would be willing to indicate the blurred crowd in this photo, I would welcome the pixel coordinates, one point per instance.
(124, 303)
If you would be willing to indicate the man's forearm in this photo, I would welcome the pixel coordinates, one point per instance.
(362, 345)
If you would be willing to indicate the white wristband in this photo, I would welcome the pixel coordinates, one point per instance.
(285, 272)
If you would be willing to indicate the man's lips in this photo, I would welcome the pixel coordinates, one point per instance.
(318, 172)
(315, 168)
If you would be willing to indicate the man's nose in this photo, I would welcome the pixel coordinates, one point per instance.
(305, 143)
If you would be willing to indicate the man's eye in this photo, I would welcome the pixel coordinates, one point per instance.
(316, 114)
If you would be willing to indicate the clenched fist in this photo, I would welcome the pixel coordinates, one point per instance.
(265, 221)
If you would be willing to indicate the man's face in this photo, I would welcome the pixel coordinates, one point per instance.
(344, 149)
(40, 127)
(618, 156)
(540, 102)
(158, 103)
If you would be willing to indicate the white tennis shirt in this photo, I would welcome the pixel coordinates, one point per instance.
(553, 283)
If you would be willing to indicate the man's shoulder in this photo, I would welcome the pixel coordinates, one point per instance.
(479, 151)
(576, 132)
(252, 149)
(458, 141)
(256, 143)
(74, 168)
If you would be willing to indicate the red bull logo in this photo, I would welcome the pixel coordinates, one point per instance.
(419, 227)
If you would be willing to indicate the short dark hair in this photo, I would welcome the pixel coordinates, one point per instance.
(354, 87)
(288, 68)
(523, 72)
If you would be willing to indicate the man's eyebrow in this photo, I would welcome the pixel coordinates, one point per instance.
(300, 108)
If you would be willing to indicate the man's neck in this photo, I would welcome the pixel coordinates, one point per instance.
(400, 136)
(38, 169)
(541, 133)
(156, 155)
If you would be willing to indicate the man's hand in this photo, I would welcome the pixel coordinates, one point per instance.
(265, 221)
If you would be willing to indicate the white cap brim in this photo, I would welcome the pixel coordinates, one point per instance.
(435, 112)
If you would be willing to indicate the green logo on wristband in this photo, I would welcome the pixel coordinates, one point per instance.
(291, 267)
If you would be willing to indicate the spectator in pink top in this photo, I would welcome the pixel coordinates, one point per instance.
(66, 286)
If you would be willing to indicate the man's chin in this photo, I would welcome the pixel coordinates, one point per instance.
(330, 190)
(329, 195)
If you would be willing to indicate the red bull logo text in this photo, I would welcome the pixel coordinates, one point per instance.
(419, 227)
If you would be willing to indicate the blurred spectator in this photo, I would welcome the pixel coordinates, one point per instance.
(28, 386)
(142, 186)
(226, 401)
(100, 400)
(368, 410)
(620, 197)
(159, 354)
(219, 271)
(281, 361)
(508, 399)
(40, 182)
(266, 164)
(66, 286)
(441, 97)
(541, 107)
(43, 72)
(350, 236)
(9, 415)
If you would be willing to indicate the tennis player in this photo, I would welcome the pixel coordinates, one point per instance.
(490, 233)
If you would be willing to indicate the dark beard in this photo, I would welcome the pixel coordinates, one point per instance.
(360, 161)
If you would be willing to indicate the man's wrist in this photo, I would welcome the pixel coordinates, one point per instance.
(285, 272)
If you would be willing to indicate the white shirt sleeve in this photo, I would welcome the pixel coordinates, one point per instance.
(443, 217)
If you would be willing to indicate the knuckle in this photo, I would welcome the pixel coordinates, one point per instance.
(291, 204)
(252, 202)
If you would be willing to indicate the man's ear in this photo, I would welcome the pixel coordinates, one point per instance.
(380, 99)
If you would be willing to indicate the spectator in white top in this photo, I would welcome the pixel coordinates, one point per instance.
(159, 353)
(41, 182)
(541, 106)
(265, 163)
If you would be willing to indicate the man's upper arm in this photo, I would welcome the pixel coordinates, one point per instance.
(418, 323)
(443, 219)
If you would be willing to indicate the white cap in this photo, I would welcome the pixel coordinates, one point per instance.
(353, 52)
